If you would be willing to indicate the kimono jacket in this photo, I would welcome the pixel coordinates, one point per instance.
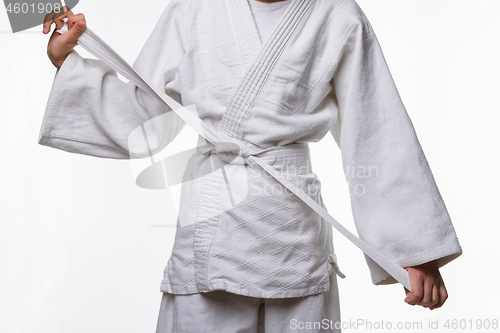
(321, 72)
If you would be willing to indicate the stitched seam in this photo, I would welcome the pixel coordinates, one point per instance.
(265, 75)
(271, 57)
(76, 139)
(256, 72)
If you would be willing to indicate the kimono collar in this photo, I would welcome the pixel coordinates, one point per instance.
(257, 58)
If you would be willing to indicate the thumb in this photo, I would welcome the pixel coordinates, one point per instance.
(74, 33)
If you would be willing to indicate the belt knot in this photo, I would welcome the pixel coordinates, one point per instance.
(226, 151)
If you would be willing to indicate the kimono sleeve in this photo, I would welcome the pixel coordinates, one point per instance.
(396, 205)
(91, 111)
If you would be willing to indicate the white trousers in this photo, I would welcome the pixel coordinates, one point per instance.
(223, 312)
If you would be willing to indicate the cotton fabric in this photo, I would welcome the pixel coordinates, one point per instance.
(221, 311)
(330, 77)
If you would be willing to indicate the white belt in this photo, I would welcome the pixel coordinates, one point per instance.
(97, 47)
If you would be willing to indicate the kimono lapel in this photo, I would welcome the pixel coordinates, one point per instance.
(245, 30)
(259, 67)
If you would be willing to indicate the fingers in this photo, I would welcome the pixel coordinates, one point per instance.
(427, 286)
(58, 20)
(443, 296)
(435, 296)
(70, 37)
(417, 287)
(74, 32)
(75, 18)
(47, 23)
(426, 300)
(56, 17)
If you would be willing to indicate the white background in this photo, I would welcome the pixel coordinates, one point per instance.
(80, 246)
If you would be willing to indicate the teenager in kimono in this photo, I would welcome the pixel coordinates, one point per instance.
(269, 73)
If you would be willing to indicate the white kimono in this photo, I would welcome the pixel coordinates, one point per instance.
(321, 71)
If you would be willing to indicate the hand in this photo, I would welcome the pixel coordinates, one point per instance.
(60, 45)
(427, 285)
